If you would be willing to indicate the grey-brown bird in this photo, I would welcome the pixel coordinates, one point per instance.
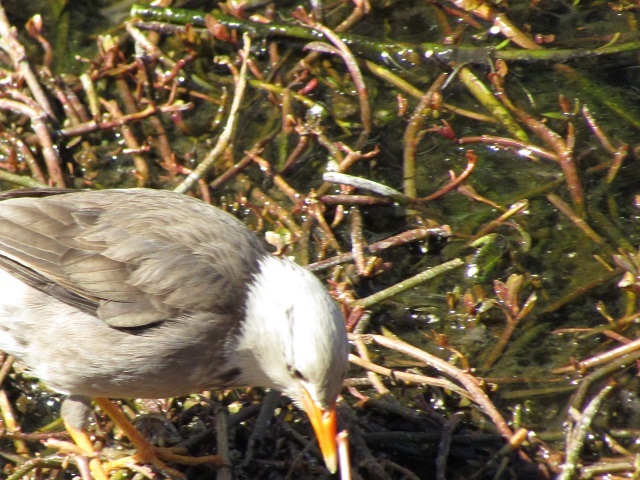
(151, 294)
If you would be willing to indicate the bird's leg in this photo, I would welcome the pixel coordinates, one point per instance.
(75, 412)
(146, 452)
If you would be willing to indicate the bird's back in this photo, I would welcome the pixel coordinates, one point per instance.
(150, 279)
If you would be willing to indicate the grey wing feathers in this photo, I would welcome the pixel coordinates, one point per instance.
(131, 257)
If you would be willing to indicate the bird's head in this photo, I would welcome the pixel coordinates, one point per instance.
(294, 339)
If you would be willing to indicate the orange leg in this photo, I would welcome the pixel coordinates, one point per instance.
(81, 439)
(146, 452)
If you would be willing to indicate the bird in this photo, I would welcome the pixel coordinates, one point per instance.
(143, 293)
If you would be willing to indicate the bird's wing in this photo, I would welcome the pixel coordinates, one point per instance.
(130, 257)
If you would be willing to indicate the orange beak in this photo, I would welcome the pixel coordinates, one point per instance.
(325, 426)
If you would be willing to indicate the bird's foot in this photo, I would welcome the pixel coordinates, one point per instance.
(156, 457)
(178, 455)
(145, 451)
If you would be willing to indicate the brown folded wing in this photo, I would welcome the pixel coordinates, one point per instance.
(131, 257)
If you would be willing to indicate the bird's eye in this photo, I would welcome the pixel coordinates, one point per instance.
(297, 374)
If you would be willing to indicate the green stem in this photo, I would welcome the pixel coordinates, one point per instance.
(381, 51)
(421, 277)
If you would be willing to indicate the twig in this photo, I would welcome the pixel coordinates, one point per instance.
(229, 130)
(21, 180)
(445, 445)
(524, 149)
(278, 180)
(9, 43)
(316, 209)
(7, 363)
(345, 164)
(391, 242)
(283, 214)
(500, 20)
(412, 136)
(366, 360)
(513, 210)
(409, 283)
(52, 462)
(142, 170)
(563, 148)
(573, 216)
(27, 155)
(455, 180)
(343, 455)
(606, 357)
(365, 184)
(469, 382)
(347, 200)
(222, 437)
(93, 125)
(409, 377)
(394, 51)
(357, 241)
(597, 131)
(578, 433)
(244, 162)
(482, 93)
(352, 66)
(10, 422)
(38, 117)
